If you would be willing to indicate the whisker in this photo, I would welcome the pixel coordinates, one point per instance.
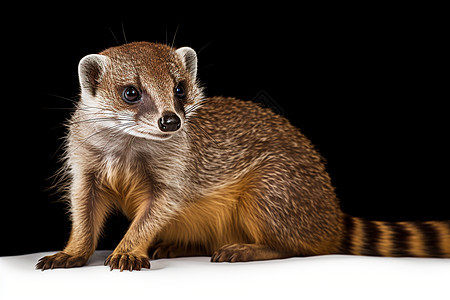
(196, 106)
(207, 44)
(65, 98)
(123, 128)
(96, 133)
(175, 35)
(203, 68)
(114, 36)
(86, 107)
(105, 114)
(58, 108)
(61, 145)
(95, 120)
(78, 105)
(95, 109)
(123, 32)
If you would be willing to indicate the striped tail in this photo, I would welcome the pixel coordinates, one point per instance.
(378, 238)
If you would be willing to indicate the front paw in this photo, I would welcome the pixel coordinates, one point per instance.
(126, 261)
(61, 260)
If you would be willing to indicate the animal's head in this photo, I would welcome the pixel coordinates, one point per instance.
(143, 89)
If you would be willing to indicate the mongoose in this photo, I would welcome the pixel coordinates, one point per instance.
(215, 177)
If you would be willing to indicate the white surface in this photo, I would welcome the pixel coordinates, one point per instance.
(320, 277)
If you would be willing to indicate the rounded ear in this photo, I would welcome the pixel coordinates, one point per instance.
(90, 70)
(189, 58)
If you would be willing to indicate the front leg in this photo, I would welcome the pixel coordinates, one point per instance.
(88, 213)
(132, 252)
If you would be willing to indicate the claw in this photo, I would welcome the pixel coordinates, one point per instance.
(127, 262)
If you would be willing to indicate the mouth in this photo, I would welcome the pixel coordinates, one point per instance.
(150, 135)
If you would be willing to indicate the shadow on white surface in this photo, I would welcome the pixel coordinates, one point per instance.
(319, 277)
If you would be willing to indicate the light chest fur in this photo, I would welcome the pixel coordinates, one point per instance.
(129, 173)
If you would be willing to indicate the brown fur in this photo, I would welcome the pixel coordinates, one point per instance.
(385, 240)
(418, 239)
(236, 181)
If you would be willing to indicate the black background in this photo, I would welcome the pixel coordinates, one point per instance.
(368, 86)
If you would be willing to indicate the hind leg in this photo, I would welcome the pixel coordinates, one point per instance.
(168, 250)
(246, 252)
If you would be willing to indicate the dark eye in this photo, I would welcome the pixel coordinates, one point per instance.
(131, 95)
(180, 91)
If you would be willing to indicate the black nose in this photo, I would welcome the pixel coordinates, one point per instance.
(169, 122)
